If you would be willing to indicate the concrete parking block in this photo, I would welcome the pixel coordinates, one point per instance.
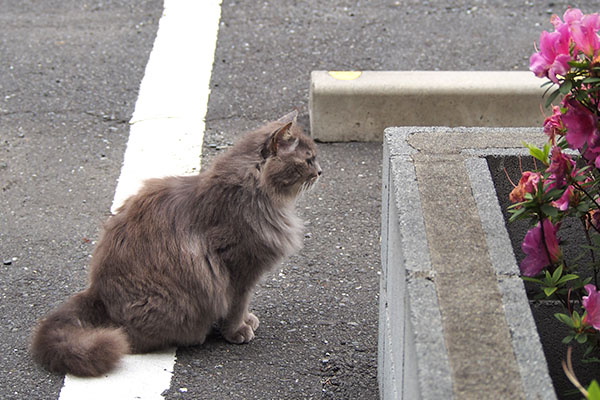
(358, 106)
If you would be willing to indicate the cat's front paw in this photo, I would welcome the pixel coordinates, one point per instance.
(253, 321)
(243, 334)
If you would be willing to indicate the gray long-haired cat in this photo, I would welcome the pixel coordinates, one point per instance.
(184, 254)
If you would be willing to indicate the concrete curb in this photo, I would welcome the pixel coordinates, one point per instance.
(358, 107)
(427, 290)
(525, 340)
(411, 350)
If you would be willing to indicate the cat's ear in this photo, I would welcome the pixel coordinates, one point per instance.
(289, 117)
(283, 139)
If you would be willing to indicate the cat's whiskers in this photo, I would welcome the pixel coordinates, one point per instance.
(308, 186)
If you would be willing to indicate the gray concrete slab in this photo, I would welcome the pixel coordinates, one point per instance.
(528, 351)
(488, 332)
(472, 317)
(412, 348)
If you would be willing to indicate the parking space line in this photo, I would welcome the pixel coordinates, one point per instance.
(165, 138)
(167, 126)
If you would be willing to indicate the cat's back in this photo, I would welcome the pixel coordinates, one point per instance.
(150, 221)
(158, 200)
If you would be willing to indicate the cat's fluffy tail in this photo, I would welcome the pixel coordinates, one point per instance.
(76, 339)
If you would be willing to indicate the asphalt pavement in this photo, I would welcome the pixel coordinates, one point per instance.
(69, 76)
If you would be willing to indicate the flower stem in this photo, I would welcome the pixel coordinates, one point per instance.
(579, 187)
(589, 241)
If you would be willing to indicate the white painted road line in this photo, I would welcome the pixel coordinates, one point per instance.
(165, 138)
(167, 126)
(139, 376)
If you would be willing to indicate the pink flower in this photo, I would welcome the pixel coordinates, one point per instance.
(592, 152)
(570, 16)
(594, 157)
(580, 29)
(533, 246)
(553, 124)
(527, 184)
(581, 123)
(584, 34)
(563, 203)
(560, 168)
(553, 57)
(591, 303)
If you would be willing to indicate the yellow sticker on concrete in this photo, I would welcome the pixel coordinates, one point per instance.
(345, 75)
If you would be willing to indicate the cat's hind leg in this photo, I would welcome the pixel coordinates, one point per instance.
(142, 342)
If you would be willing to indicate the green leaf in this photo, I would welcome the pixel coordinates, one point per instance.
(567, 278)
(513, 206)
(552, 97)
(581, 96)
(581, 339)
(593, 391)
(557, 273)
(534, 280)
(555, 194)
(547, 83)
(549, 291)
(540, 185)
(566, 87)
(568, 339)
(547, 149)
(593, 89)
(565, 319)
(579, 64)
(547, 90)
(518, 213)
(577, 320)
(548, 210)
(591, 80)
(584, 169)
(535, 152)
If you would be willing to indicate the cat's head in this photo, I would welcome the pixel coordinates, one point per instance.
(290, 164)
